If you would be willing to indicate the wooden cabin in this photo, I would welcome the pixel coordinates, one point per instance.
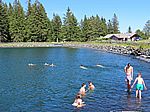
(123, 37)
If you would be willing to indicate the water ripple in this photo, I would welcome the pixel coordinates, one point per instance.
(53, 89)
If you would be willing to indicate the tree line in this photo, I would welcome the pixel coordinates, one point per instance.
(33, 25)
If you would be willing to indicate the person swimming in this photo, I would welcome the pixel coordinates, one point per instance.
(82, 89)
(31, 64)
(91, 86)
(78, 102)
(52, 65)
(46, 64)
(83, 67)
(99, 65)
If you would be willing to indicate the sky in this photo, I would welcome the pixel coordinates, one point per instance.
(133, 13)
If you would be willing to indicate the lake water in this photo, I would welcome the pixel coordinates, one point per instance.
(43, 88)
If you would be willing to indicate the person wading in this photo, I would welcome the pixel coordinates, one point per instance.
(129, 76)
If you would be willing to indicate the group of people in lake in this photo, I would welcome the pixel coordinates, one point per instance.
(139, 80)
(78, 102)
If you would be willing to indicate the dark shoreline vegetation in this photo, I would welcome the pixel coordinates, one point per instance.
(140, 50)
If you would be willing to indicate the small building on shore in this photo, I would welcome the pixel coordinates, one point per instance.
(124, 37)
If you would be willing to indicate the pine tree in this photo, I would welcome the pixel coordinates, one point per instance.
(129, 30)
(33, 29)
(38, 23)
(11, 23)
(28, 23)
(44, 23)
(115, 24)
(4, 26)
(93, 27)
(17, 22)
(103, 26)
(70, 29)
(147, 29)
(110, 27)
(29, 8)
(84, 29)
(56, 27)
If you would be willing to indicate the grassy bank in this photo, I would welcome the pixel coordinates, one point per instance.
(144, 44)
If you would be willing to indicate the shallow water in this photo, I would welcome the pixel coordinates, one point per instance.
(43, 88)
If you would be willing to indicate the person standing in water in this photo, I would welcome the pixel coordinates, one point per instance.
(129, 76)
(139, 86)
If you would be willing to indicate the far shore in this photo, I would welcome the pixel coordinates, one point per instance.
(142, 54)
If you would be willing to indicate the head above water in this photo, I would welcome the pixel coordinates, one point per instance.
(128, 65)
(83, 84)
(78, 97)
(139, 74)
(90, 82)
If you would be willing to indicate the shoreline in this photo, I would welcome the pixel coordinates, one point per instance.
(141, 54)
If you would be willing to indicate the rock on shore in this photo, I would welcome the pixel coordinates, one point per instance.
(126, 50)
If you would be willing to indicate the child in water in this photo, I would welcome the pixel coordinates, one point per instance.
(82, 90)
(139, 85)
(78, 101)
(91, 86)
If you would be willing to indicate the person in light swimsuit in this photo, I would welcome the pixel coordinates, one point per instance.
(91, 86)
(82, 90)
(78, 102)
(129, 75)
(139, 86)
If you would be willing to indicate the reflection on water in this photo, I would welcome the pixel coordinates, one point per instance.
(43, 88)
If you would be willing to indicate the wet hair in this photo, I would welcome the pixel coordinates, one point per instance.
(78, 96)
(83, 84)
(89, 82)
(128, 64)
(139, 74)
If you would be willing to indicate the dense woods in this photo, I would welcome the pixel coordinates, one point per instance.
(33, 25)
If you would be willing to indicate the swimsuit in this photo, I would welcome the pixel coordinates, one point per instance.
(139, 86)
(128, 78)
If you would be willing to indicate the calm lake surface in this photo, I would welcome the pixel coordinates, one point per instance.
(43, 88)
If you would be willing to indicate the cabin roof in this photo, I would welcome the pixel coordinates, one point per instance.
(121, 35)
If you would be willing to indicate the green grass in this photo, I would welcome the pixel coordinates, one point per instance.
(144, 44)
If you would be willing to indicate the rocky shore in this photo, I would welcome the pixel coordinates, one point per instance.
(142, 54)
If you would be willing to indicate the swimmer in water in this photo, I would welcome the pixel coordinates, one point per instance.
(31, 64)
(83, 67)
(52, 65)
(91, 86)
(46, 64)
(82, 90)
(78, 102)
(99, 65)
